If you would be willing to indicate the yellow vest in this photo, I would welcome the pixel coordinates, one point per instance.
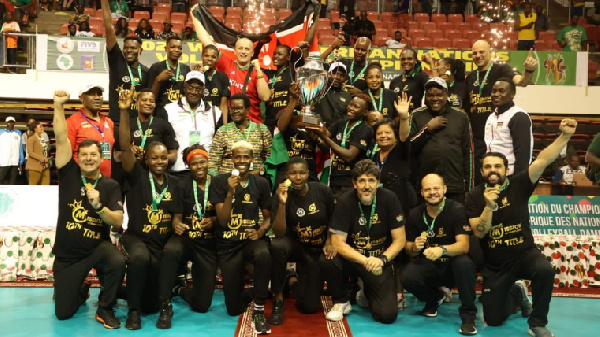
(527, 34)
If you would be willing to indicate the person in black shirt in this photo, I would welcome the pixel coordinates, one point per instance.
(194, 241)
(437, 234)
(348, 140)
(357, 67)
(368, 232)
(332, 107)
(302, 214)
(90, 211)
(279, 83)
(412, 80)
(382, 99)
(154, 207)
(364, 27)
(498, 212)
(238, 197)
(167, 78)
(144, 30)
(373, 117)
(216, 89)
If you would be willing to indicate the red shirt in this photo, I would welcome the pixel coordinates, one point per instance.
(80, 129)
(237, 78)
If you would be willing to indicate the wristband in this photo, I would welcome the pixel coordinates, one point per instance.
(383, 259)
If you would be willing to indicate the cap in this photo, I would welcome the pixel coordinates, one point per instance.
(194, 75)
(436, 82)
(335, 65)
(10, 119)
(89, 86)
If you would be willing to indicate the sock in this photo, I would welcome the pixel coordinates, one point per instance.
(259, 307)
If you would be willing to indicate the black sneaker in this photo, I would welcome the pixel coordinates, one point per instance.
(519, 291)
(259, 323)
(431, 309)
(106, 316)
(276, 317)
(134, 321)
(164, 319)
(468, 327)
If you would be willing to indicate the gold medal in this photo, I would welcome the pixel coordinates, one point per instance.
(88, 186)
(368, 245)
(424, 234)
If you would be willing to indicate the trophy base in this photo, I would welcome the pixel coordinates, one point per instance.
(306, 122)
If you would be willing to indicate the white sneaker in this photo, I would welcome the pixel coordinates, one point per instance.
(401, 302)
(361, 299)
(338, 311)
(447, 294)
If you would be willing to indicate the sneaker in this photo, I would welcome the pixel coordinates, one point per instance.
(447, 294)
(338, 311)
(431, 309)
(520, 293)
(259, 323)
(176, 291)
(540, 331)
(106, 316)
(164, 318)
(276, 317)
(468, 327)
(401, 302)
(361, 299)
(133, 322)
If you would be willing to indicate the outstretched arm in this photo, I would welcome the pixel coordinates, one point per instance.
(203, 35)
(63, 145)
(111, 37)
(549, 154)
(127, 156)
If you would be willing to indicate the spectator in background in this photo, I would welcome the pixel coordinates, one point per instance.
(144, 30)
(189, 34)
(346, 7)
(541, 23)
(84, 30)
(565, 173)
(525, 25)
(10, 26)
(122, 28)
(12, 155)
(572, 37)
(592, 157)
(364, 27)
(426, 6)
(30, 132)
(593, 14)
(179, 6)
(167, 32)
(120, 9)
(37, 161)
(79, 15)
(396, 43)
(46, 5)
(72, 29)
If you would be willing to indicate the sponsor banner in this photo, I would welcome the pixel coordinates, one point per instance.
(564, 215)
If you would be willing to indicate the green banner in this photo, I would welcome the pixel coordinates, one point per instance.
(564, 215)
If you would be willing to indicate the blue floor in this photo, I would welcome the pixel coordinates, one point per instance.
(29, 312)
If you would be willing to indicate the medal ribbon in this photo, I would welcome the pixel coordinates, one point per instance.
(200, 210)
(362, 215)
(139, 69)
(430, 227)
(176, 77)
(351, 75)
(94, 125)
(144, 134)
(348, 132)
(156, 200)
(378, 108)
(89, 186)
(482, 84)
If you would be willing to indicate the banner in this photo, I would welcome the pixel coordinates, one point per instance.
(564, 215)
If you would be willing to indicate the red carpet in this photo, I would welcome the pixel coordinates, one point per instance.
(295, 323)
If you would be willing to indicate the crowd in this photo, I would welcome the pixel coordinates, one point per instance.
(428, 185)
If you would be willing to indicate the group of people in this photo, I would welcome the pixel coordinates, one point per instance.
(189, 150)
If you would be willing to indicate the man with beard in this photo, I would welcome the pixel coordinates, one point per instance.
(508, 129)
(437, 234)
(357, 67)
(498, 212)
(166, 78)
(368, 232)
(441, 140)
(332, 107)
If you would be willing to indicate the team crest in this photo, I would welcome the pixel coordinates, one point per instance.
(247, 199)
(300, 212)
(312, 209)
(167, 196)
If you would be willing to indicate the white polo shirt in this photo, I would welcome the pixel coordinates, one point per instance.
(11, 151)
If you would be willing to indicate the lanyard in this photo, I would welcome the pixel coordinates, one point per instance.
(94, 125)
(139, 79)
(156, 200)
(176, 77)
(380, 107)
(192, 113)
(200, 210)
(249, 129)
(482, 84)
(364, 222)
(348, 132)
(353, 78)
(372, 152)
(430, 232)
(88, 186)
(274, 79)
(144, 135)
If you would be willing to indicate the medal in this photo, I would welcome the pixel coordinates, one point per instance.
(88, 186)
(430, 234)
(362, 221)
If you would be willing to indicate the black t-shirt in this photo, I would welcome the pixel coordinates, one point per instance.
(480, 105)
(280, 96)
(458, 96)
(332, 107)
(363, 27)
(190, 213)
(216, 87)
(384, 104)
(355, 74)
(160, 130)
(510, 234)
(360, 136)
(170, 90)
(79, 228)
(413, 86)
(450, 222)
(395, 173)
(119, 80)
(308, 216)
(388, 216)
(299, 143)
(246, 205)
(153, 227)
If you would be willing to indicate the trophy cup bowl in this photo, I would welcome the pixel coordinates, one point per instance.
(313, 80)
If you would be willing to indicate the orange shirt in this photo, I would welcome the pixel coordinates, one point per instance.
(81, 128)
(11, 27)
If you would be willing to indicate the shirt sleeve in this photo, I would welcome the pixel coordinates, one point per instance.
(217, 192)
(113, 199)
(521, 134)
(362, 137)
(267, 141)
(215, 160)
(461, 223)
(153, 72)
(329, 201)
(342, 218)
(412, 224)
(474, 204)
(595, 145)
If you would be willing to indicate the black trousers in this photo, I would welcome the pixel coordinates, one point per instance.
(310, 264)
(423, 277)
(496, 299)
(525, 45)
(142, 275)
(231, 262)
(204, 269)
(10, 172)
(380, 290)
(69, 276)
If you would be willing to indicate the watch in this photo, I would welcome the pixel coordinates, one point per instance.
(383, 258)
(444, 250)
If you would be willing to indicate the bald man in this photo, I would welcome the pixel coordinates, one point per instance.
(245, 75)
(437, 235)
(479, 87)
(356, 69)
